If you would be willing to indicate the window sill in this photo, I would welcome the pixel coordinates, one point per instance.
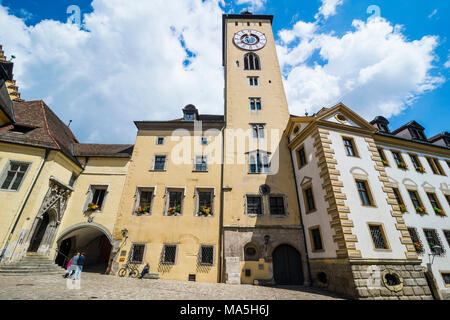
(199, 170)
(154, 170)
(278, 215)
(312, 211)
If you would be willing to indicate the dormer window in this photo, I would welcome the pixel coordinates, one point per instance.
(190, 113)
(189, 116)
(417, 134)
(383, 127)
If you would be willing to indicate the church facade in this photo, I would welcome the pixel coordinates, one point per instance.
(253, 196)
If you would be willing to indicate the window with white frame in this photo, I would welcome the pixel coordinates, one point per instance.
(174, 202)
(204, 201)
(14, 175)
(144, 200)
(96, 198)
(259, 162)
(258, 130)
(159, 140)
(253, 81)
(159, 163)
(201, 163)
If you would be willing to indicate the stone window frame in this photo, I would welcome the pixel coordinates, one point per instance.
(253, 81)
(415, 158)
(254, 101)
(439, 205)
(419, 199)
(353, 145)
(398, 196)
(167, 199)
(200, 255)
(132, 252)
(415, 236)
(152, 168)
(400, 157)
(5, 173)
(137, 195)
(435, 166)
(197, 199)
(255, 247)
(365, 179)
(383, 234)
(442, 273)
(436, 238)
(256, 62)
(382, 155)
(394, 288)
(285, 204)
(311, 239)
(263, 211)
(90, 196)
(163, 253)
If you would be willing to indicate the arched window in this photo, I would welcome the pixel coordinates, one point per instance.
(251, 62)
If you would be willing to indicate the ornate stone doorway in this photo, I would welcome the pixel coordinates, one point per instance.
(43, 231)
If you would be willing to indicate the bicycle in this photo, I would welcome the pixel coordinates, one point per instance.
(131, 268)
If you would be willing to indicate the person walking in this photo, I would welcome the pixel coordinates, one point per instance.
(80, 263)
(72, 265)
(145, 271)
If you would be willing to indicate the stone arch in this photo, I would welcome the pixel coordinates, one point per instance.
(86, 225)
(358, 171)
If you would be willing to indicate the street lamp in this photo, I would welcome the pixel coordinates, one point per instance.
(266, 239)
(436, 250)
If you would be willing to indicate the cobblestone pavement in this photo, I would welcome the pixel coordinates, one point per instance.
(103, 287)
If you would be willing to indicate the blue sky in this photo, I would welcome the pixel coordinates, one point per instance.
(109, 73)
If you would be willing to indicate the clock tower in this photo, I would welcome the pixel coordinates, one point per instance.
(262, 234)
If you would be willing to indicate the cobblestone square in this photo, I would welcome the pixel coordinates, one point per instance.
(103, 287)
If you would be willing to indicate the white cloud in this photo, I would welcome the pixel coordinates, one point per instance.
(128, 63)
(373, 69)
(328, 8)
(253, 4)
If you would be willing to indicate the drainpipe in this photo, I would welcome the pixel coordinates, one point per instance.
(47, 152)
(301, 219)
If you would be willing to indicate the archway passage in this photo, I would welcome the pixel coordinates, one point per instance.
(287, 266)
(39, 233)
(90, 240)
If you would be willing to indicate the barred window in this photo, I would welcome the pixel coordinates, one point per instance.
(316, 239)
(169, 254)
(433, 240)
(378, 237)
(207, 255)
(14, 176)
(254, 205)
(276, 205)
(416, 240)
(137, 253)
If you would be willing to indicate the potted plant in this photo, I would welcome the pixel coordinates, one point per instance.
(142, 210)
(174, 210)
(402, 165)
(205, 210)
(420, 169)
(418, 246)
(420, 209)
(439, 212)
(385, 163)
(93, 206)
(402, 207)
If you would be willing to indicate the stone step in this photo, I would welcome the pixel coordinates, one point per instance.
(16, 271)
(54, 267)
(12, 274)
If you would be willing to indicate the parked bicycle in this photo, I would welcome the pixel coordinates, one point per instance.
(129, 268)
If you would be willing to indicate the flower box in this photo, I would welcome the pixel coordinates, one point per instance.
(385, 163)
(402, 207)
(418, 246)
(205, 211)
(142, 210)
(420, 169)
(174, 210)
(439, 212)
(402, 165)
(420, 209)
(93, 206)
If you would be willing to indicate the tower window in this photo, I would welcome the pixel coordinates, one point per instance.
(255, 103)
(258, 131)
(259, 162)
(253, 81)
(251, 62)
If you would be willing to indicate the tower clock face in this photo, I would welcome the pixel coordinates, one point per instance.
(250, 40)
